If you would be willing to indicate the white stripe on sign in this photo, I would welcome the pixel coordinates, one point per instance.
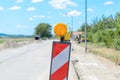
(65, 79)
(60, 59)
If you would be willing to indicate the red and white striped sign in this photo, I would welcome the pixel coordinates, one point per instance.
(60, 61)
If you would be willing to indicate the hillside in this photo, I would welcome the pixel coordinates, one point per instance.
(12, 35)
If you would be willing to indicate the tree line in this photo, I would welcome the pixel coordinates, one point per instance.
(43, 30)
(104, 30)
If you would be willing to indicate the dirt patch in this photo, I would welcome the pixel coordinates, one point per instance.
(95, 67)
(13, 44)
(109, 53)
(10, 44)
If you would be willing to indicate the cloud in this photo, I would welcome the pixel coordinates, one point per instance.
(74, 13)
(108, 3)
(14, 8)
(31, 9)
(1, 8)
(36, 1)
(61, 4)
(21, 26)
(31, 19)
(19, 1)
(90, 9)
(36, 17)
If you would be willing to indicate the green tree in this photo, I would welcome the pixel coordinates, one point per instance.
(117, 31)
(43, 30)
(117, 24)
(83, 28)
(105, 30)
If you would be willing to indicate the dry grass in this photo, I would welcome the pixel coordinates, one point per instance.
(2, 40)
(14, 42)
(109, 53)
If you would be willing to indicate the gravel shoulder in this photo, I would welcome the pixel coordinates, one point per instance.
(93, 67)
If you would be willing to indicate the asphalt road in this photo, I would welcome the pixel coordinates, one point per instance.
(30, 62)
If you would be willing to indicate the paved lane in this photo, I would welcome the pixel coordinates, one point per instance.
(30, 62)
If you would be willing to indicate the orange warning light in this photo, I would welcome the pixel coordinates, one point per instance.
(60, 29)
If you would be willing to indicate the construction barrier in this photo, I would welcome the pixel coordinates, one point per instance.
(60, 61)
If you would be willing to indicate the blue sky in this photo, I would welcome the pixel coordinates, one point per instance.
(22, 16)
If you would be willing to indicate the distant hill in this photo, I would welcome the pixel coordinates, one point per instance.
(3, 35)
(10, 35)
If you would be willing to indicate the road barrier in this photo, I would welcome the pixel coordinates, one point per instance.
(60, 61)
(60, 54)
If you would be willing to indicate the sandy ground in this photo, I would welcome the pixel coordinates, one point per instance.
(93, 67)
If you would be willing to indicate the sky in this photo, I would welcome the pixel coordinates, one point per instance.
(22, 16)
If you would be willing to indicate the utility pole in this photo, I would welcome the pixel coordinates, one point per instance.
(72, 22)
(72, 26)
(85, 25)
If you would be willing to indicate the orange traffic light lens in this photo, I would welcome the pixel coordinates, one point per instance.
(60, 29)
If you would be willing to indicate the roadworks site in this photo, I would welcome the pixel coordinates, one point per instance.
(111, 54)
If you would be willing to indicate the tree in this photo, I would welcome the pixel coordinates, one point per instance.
(117, 31)
(43, 30)
(105, 30)
(83, 28)
(118, 24)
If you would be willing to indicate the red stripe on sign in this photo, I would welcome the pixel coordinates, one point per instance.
(57, 48)
(61, 73)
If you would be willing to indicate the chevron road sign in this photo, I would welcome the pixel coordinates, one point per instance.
(60, 61)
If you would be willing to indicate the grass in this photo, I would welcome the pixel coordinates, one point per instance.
(22, 39)
(100, 49)
(2, 40)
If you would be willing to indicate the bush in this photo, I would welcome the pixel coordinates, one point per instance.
(108, 37)
(107, 42)
(97, 37)
(116, 44)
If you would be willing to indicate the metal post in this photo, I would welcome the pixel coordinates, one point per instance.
(85, 25)
(72, 26)
(72, 22)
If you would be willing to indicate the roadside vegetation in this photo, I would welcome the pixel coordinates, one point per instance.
(43, 30)
(104, 36)
(14, 42)
(3, 40)
(105, 30)
(100, 49)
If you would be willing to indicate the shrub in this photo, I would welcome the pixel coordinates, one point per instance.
(116, 44)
